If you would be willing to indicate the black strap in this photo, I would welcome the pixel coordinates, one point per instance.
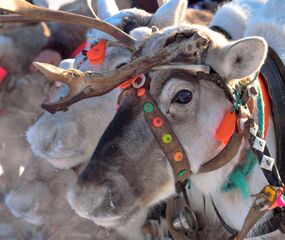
(222, 31)
(229, 229)
(273, 73)
(271, 225)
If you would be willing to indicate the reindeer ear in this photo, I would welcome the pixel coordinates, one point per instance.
(107, 8)
(170, 13)
(238, 59)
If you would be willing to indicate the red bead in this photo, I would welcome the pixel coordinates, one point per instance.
(157, 122)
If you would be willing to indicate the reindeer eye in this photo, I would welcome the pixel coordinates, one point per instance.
(119, 66)
(183, 97)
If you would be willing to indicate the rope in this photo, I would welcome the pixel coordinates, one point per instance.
(237, 179)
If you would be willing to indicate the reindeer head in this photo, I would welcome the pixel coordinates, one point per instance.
(67, 139)
(128, 170)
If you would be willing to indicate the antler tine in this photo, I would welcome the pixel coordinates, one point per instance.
(43, 14)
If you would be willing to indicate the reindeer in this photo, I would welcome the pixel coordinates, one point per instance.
(113, 187)
(21, 95)
(39, 199)
(40, 215)
(52, 124)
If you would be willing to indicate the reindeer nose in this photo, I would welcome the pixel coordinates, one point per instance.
(86, 200)
(21, 203)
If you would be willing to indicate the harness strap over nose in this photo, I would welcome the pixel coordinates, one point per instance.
(166, 138)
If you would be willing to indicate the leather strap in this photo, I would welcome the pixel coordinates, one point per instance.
(222, 31)
(174, 205)
(166, 138)
(224, 156)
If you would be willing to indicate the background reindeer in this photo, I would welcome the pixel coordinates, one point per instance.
(38, 177)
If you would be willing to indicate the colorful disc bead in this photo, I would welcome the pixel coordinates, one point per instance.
(141, 92)
(178, 156)
(157, 122)
(167, 138)
(148, 107)
(182, 173)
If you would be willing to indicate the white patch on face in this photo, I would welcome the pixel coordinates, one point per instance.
(195, 124)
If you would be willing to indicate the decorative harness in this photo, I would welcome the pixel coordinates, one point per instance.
(272, 196)
(244, 126)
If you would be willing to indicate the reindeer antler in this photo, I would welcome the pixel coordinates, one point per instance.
(14, 18)
(91, 84)
(36, 13)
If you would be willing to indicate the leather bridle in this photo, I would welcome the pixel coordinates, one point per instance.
(177, 157)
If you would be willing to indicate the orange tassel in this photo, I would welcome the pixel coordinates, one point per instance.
(96, 55)
(226, 128)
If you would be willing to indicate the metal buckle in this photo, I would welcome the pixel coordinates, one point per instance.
(186, 221)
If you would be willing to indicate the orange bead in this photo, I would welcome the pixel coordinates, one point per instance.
(141, 92)
(178, 156)
(157, 122)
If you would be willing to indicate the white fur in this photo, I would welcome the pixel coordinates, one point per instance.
(141, 33)
(233, 17)
(67, 63)
(107, 8)
(171, 13)
(269, 23)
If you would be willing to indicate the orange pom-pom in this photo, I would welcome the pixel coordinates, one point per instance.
(227, 127)
(96, 55)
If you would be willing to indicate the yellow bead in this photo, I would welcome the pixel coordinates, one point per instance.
(167, 138)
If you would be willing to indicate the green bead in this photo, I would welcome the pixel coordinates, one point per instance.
(167, 138)
(148, 107)
(183, 172)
